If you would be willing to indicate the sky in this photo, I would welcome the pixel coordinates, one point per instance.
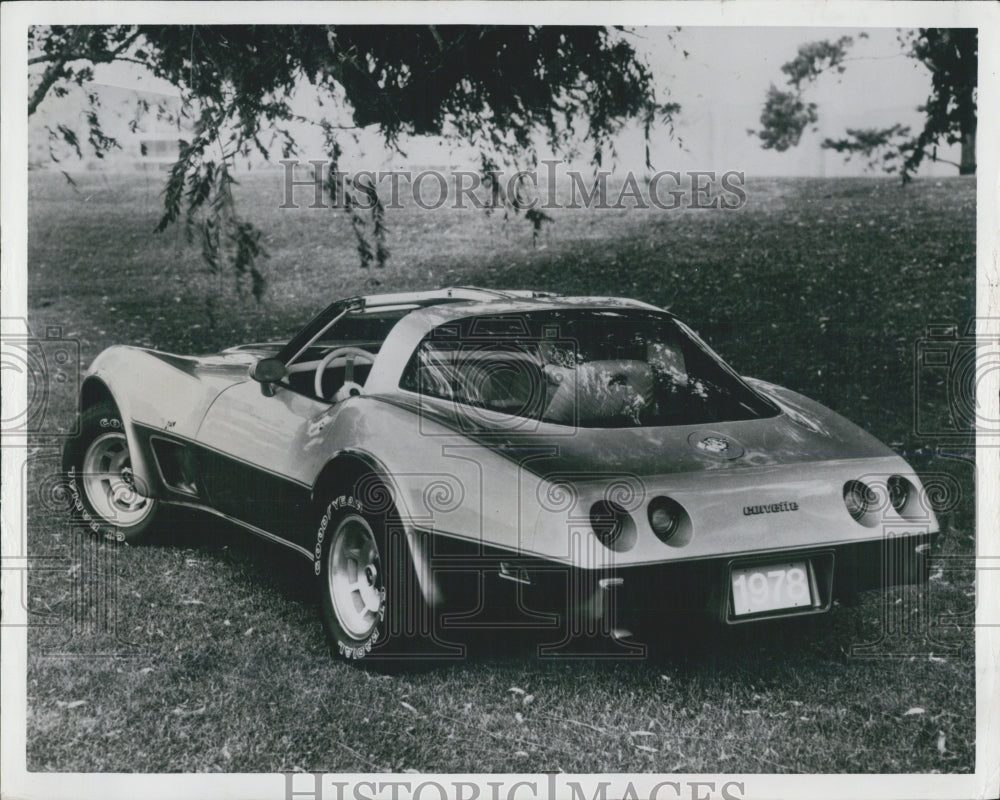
(720, 83)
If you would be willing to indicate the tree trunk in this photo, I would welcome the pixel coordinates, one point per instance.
(968, 161)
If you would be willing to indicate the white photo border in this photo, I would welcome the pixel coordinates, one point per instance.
(16, 17)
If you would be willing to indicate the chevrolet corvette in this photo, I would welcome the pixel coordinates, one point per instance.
(585, 459)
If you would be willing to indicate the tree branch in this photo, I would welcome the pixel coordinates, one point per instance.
(946, 161)
(126, 43)
(51, 75)
(64, 56)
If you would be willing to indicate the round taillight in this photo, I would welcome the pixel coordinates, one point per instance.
(664, 517)
(607, 521)
(899, 492)
(859, 499)
(612, 525)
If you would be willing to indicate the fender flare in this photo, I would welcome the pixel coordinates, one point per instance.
(97, 387)
(348, 464)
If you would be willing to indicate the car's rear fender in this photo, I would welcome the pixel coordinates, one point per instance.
(363, 474)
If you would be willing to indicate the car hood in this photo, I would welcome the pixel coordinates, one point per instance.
(802, 431)
(229, 366)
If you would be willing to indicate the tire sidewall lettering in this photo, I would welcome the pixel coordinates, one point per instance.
(97, 526)
(75, 491)
(350, 649)
(85, 516)
(358, 651)
(344, 501)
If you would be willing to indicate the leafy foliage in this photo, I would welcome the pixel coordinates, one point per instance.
(246, 240)
(62, 49)
(883, 148)
(951, 56)
(815, 58)
(494, 87)
(785, 117)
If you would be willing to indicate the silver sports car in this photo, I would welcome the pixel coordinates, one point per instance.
(586, 458)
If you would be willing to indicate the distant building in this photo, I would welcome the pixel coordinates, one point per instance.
(147, 126)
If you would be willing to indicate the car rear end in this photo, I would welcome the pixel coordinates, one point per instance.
(734, 545)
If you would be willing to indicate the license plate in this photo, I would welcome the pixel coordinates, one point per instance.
(771, 587)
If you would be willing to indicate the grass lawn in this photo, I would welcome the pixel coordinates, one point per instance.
(204, 652)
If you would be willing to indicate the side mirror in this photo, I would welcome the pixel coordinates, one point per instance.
(267, 372)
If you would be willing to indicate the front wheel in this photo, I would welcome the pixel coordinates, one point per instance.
(103, 491)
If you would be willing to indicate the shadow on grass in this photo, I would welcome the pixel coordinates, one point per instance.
(269, 564)
(682, 647)
(685, 649)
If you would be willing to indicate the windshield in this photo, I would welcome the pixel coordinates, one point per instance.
(590, 368)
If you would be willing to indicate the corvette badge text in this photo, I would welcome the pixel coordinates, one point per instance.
(317, 786)
(771, 508)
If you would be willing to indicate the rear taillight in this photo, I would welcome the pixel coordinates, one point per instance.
(862, 502)
(612, 525)
(900, 493)
(665, 517)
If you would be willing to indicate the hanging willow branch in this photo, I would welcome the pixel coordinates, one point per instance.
(495, 87)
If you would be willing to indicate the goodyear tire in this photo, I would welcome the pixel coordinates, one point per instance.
(370, 603)
(103, 493)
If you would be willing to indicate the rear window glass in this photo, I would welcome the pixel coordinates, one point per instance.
(589, 368)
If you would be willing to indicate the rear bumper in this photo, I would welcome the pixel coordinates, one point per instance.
(626, 598)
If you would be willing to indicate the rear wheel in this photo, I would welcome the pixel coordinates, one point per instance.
(370, 601)
(355, 594)
(103, 488)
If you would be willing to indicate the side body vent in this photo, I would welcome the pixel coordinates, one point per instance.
(177, 466)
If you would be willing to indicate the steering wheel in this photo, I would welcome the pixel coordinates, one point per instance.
(350, 354)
